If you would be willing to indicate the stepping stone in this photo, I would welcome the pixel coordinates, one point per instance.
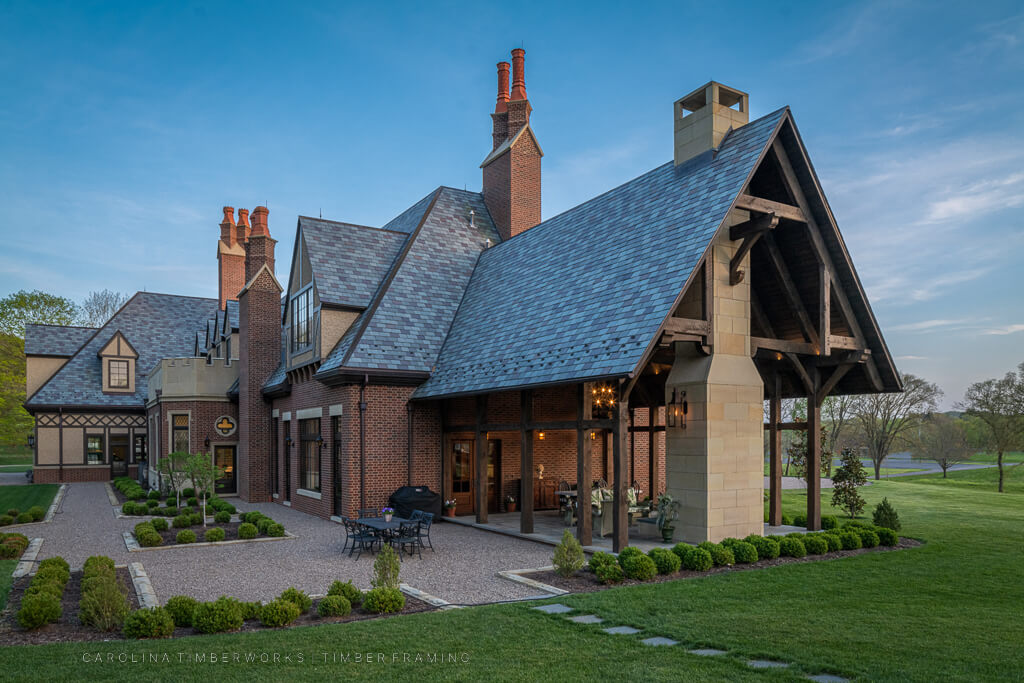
(556, 608)
(658, 640)
(766, 664)
(828, 678)
(587, 619)
(707, 652)
(622, 630)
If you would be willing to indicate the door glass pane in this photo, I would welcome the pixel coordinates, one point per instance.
(461, 467)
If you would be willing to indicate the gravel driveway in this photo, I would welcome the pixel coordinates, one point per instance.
(462, 570)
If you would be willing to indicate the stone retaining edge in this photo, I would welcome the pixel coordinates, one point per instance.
(134, 547)
(517, 576)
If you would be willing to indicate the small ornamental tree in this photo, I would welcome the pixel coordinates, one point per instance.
(385, 569)
(568, 555)
(204, 475)
(172, 467)
(846, 483)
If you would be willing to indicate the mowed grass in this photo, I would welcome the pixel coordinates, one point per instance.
(25, 496)
(6, 569)
(15, 455)
(949, 610)
(983, 480)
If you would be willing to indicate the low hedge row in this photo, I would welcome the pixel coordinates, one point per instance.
(16, 516)
(103, 605)
(41, 603)
(12, 545)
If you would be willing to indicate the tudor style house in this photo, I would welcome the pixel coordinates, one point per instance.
(468, 346)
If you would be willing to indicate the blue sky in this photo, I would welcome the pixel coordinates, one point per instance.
(125, 127)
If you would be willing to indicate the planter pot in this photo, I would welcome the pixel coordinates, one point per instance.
(511, 507)
(449, 512)
(666, 533)
(387, 518)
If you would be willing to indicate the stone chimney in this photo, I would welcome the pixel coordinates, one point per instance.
(259, 322)
(702, 118)
(230, 259)
(511, 172)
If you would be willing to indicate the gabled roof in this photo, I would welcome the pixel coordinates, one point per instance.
(582, 295)
(55, 340)
(408, 318)
(348, 260)
(231, 319)
(508, 144)
(159, 325)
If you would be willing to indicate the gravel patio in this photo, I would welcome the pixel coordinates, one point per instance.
(463, 570)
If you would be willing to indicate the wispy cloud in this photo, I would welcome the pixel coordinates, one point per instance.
(844, 36)
(911, 358)
(980, 198)
(930, 325)
(1005, 329)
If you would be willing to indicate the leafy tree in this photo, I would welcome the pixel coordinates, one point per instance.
(100, 306)
(204, 474)
(886, 419)
(797, 454)
(173, 467)
(17, 310)
(999, 403)
(944, 440)
(838, 410)
(846, 483)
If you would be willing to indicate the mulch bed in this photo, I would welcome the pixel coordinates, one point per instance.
(69, 628)
(230, 533)
(584, 581)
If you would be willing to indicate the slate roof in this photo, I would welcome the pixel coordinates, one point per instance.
(231, 308)
(581, 295)
(348, 260)
(156, 325)
(55, 340)
(411, 311)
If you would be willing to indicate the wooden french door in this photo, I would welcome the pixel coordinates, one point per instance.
(225, 458)
(119, 455)
(463, 469)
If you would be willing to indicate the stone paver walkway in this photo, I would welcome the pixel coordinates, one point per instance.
(463, 570)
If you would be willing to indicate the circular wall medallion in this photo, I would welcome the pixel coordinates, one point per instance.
(225, 425)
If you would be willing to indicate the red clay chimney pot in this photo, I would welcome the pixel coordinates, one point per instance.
(502, 103)
(519, 74)
(259, 222)
(243, 217)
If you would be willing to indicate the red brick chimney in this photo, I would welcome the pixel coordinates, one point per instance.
(259, 322)
(511, 186)
(230, 259)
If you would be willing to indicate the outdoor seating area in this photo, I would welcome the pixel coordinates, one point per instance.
(373, 529)
(601, 501)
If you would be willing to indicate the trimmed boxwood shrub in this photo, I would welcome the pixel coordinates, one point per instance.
(816, 545)
(600, 559)
(182, 521)
(681, 551)
(186, 536)
(56, 573)
(152, 504)
(52, 587)
(626, 553)
(799, 520)
(301, 600)
(39, 609)
(223, 614)
(792, 547)
(698, 560)
(829, 522)
(729, 542)
(159, 524)
(152, 622)
(6, 520)
(355, 596)
(834, 542)
(262, 523)
(188, 493)
(887, 537)
(13, 512)
(767, 548)
(868, 538)
(143, 527)
(252, 516)
(96, 565)
(222, 517)
(196, 518)
(213, 535)
(275, 530)
(149, 539)
(251, 610)
(153, 495)
(37, 513)
(12, 545)
(744, 552)
(720, 555)
(229, 508)
(786, 520)
(59, 562)
(24, 518)
(795, 534)
(279, 613)
(181, 608)
(384, 600)
(192, 501)
(665, 560)
(247, 530)
(609, 573)
(639, 568)
(170, 511)
(850, 540)
(334, 606)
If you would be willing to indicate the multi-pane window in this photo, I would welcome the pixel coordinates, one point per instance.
(179, 434)
(94, 449)
(309, 458)
(336, 441)
(140, 447)
(274, 477)
(118, 374)
(302, 319)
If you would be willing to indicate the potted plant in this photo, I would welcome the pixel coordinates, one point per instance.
(387, 513)
(668, 513)
(449, 507)
(510, 503)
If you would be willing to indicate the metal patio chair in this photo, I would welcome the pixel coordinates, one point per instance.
(407, 536)
(426, 520)
(360, 537)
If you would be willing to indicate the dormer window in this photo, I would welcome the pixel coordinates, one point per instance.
(118, 374)
(302, 319)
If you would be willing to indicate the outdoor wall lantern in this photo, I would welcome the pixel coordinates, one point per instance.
(320, 441)
(206, 443)
(675, 411)
(287, 442)
(31, 441)
(540, 435)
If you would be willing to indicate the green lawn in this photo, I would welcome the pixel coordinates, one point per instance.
(871, 472)
(985, 480)
(6, 569)
(15, 468)
(24, 497)
(949, 609)
(985, 458)
(15, 455)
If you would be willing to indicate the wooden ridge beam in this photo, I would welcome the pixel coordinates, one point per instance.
(782, 346)
(787, 211)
